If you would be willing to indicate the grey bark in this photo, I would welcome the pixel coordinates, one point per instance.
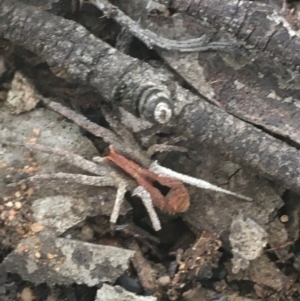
(212, 128)
(256, 23)
(251, 84)
(76, 55)
(57, 7)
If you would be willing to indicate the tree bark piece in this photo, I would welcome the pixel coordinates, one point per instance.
(212, 128)
(256, 23)
(57, 7)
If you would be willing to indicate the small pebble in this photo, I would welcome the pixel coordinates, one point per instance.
(9, 204)
(36, 131)
(36, 227)
(32, 140)
(86, 233)
(130, 284)
(3, 165)
(12, 212)
(164, 280)
(17, 194)
(29, 192)
(4, 215)
(18, 205)
(10, 218)
(26, 294)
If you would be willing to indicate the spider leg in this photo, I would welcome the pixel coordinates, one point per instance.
(163, 171)
(119, 128)
(147, 201)
(107, 175)
(100, 169)
(125, 146)
(74, 178)
(122, 188)
(95, 129)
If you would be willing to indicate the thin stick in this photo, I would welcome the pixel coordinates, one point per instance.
(69, 157)
(74, 178)
(83, 122)
(120, 143)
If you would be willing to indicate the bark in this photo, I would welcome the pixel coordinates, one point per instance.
(57, 7)
(251, 84)
(212, 128)
(256, 23)
(76, 55)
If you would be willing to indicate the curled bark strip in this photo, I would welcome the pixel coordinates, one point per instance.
(252, 21)
(151, 39)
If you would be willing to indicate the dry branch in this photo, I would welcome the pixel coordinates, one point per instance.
(78, 56)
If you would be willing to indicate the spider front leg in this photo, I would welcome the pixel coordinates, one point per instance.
(122, 188)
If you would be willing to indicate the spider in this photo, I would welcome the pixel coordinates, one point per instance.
(139, 167)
